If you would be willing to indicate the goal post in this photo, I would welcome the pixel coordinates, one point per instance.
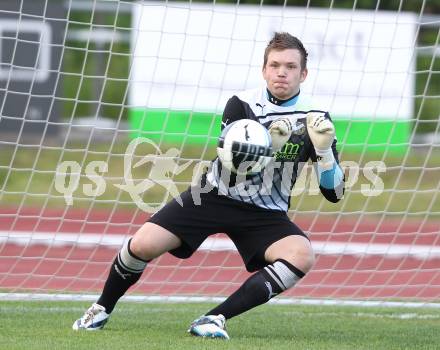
(110, 108)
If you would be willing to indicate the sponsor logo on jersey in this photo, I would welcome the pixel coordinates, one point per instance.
(289, 151)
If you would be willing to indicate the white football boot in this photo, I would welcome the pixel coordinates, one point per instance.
(209, 327)
(93, 319)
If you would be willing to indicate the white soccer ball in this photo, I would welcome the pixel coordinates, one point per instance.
(245, 147)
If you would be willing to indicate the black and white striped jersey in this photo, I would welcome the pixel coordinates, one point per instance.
(270, 189)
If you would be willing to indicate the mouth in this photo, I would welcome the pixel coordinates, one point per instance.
(280, 86)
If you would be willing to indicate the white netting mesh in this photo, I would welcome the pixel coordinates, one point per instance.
(80, 80)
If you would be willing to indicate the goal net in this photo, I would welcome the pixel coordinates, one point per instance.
(110, 108)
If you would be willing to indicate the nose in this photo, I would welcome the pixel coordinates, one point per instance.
(282, 71)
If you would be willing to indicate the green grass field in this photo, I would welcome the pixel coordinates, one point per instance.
(47, 325)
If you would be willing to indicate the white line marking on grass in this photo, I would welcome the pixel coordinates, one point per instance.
(199, 299)
(25, 307)
(221, 244)
(399, 316)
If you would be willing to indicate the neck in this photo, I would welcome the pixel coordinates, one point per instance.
(279, 102)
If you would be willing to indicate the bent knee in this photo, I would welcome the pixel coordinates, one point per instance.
(302, 258)
(296, 250)
(151, 241)
(144, 249)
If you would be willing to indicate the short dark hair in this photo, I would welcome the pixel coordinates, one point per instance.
(283, 41)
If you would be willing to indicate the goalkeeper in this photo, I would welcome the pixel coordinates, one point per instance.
(272, 246)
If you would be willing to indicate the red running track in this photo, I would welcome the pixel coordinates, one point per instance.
(78, 268)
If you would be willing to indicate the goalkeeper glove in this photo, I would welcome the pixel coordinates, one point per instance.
(322, 133)
(280, 131)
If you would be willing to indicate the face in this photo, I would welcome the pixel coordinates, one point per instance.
(283, 73)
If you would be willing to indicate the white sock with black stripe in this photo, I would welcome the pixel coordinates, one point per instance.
(126, 270)
(260, 288)
(284, 274)
(130, 262)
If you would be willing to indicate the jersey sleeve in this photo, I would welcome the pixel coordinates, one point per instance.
(233, 111)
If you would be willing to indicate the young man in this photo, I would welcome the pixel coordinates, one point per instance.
(269, 243)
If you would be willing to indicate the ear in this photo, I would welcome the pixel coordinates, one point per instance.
(264, 72)
(304, 73)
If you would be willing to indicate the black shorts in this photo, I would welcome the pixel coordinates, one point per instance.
(251, 228)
